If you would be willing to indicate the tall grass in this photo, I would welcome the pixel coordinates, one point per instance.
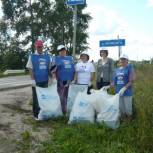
(131, 137)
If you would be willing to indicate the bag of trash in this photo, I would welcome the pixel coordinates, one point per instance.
(73, 91)
(82, 110)
(106, 107)
(49, 102)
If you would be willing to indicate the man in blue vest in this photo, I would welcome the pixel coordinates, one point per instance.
(64, 75)
(39, 65)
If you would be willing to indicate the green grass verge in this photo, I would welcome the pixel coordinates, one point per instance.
(131, 137)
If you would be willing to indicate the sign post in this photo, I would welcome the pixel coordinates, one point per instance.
(113, 42)
(75, 3)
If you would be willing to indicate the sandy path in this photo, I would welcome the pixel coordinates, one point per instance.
(16, 118)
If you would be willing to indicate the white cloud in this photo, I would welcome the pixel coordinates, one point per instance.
(107, 24)
(150, 3)
(1, 9)
(104, 21)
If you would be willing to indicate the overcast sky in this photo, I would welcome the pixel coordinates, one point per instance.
(130, 19)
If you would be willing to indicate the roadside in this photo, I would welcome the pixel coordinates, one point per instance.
(16, 122)
(14, 82)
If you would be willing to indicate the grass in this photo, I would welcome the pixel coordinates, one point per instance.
(131, 137)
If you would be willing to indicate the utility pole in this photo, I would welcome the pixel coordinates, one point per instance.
(32, 27)
(75, 29)
(75, 3)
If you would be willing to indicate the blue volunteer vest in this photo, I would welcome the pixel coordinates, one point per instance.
(122, 78)
(40, 67)
(65, 67)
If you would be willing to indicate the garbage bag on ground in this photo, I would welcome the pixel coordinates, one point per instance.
(107, 107)
(73, 91)
(100, 97)
(82, 110)
(49, 102)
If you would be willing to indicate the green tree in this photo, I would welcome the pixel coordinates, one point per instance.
(52, 19)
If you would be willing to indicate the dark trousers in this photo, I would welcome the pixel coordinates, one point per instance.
(35, 104)
(102, 84)
(62, 89)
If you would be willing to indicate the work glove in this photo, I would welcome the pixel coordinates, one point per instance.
(67, 83)
(89, 84)
(73, 82)
(54, 80)
(33, 83)
(105, 88)
(122, 90)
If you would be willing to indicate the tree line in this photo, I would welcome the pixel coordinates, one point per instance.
(23, 21)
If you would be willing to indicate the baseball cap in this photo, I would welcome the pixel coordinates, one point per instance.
(85, 52)
(39, 43)
(60, 47)
(124, 56)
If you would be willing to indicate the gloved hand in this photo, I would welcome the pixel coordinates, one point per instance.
(122, 90)
(73, 82)
(105, 87)
(54, 81)
(33, 83)
(67, 83)
(89, 84)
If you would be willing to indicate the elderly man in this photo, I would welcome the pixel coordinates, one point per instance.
(39, 66)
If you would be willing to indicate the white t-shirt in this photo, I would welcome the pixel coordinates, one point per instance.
(84, 72)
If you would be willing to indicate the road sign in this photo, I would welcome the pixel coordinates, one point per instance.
(111, 43)
(75, 2)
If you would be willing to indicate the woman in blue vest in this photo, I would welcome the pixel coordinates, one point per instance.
(64, 75)
(123, 79)
(38, 65)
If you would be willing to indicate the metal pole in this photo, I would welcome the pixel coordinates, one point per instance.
(119, 48)
(74, 31)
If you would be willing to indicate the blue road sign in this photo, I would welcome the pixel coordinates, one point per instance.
(111, 43)
(75, 2)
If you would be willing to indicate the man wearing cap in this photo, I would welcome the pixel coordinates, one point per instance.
(64, 75)
(123, 79)
(39, 66)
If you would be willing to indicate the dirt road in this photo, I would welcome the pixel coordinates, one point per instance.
(17, 126)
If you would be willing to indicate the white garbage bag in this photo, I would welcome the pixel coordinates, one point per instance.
(108, 111)
(49, 102)
(82, 110)
(73, 91)
(99, 97)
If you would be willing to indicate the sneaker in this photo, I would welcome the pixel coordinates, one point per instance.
(37, 119)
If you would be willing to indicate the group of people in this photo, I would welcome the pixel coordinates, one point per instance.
(62, 67)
